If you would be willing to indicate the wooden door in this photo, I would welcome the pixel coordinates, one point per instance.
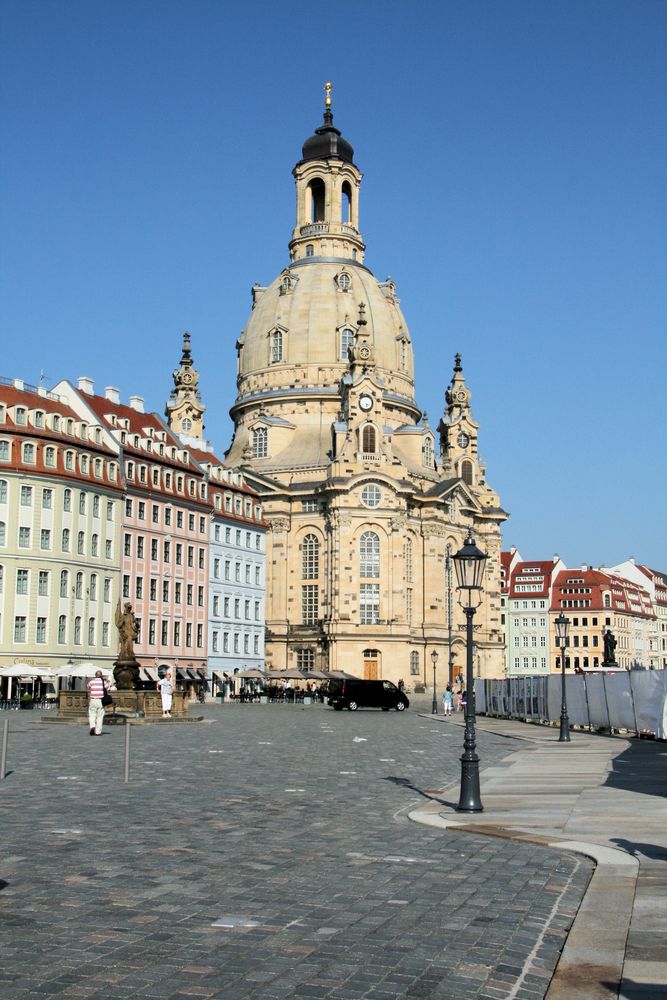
(370, 670)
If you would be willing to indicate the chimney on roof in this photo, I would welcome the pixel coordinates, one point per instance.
(584, 568)
(18, 383)
(555, 558)
(86, 385)
(633, 560)
(41, 390)
(112, 394)
(512, 549)
(137, 403)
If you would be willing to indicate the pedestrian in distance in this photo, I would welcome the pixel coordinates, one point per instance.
(166, 688)
(97, 688)
(447, 699)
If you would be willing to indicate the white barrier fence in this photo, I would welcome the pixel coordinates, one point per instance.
(634, 700)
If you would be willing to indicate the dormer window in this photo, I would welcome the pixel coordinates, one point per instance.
(70, 426)
(84, 431)
(20, 414)
(39, 418)
(98, 436)
(56, 422)
(123, 436)
(130, 470)
(136, 441)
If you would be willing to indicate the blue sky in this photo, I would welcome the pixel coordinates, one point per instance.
(514, 156)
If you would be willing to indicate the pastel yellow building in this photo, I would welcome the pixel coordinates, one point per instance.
(364, 499)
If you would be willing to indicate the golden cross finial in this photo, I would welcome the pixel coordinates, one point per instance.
(327, 95)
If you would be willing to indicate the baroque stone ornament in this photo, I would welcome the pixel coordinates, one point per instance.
(279, 523)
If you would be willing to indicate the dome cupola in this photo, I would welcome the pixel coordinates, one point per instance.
(327, 196)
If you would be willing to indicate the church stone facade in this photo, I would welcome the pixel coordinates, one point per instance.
(364, 499)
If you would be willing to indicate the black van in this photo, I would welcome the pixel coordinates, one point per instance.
(354, 694)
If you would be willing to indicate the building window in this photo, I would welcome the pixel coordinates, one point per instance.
(78, 590)
(408, 605)
(310, 558)
(82, 503)
(47, 499)
(3, 491)
(4, 451)
(80, 543)
(94, 545)
(22, 581)
(24, 538)
(369, 603)
(369, 554)
(62, 629)
(29, 454)
(260, 442)
(164, 633)
(126, 585)
(43, 584)
(346, 342)
(428, 452)
(91, 631)
(467, 472)
(414, 663)
(310, 250)
(408, 560)
(26, 496)
(67, 500)
(276, 341)
(200, 636)
(177, 633)
(310, 596)
(107, 589)
(77, 631)
(368, 440)
(19, 628)
(45, 538)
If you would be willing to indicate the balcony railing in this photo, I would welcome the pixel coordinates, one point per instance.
(313, 228)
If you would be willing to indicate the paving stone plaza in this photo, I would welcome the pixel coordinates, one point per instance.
(266, 852)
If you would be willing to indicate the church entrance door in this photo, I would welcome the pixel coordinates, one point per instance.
(371, 667)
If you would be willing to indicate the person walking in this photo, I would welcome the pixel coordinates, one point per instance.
(166, 688)
(97, 687)
(447, 699)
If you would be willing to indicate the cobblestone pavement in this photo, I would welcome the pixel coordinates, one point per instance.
(265, 853)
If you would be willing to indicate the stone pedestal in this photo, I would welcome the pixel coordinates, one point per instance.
(126, 675)
(133, 704)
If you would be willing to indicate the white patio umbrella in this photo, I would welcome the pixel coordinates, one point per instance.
(81, 670)
(24, 670)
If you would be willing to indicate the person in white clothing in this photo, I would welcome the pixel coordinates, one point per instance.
(96, 689)
(166, 688)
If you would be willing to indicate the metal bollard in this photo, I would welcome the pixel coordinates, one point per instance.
(3, 754)
(126, 777)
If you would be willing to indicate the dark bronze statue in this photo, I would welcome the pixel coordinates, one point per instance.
(609, 649)
(126, 668)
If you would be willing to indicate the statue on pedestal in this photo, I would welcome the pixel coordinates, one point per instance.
(609, 649)
(126, 668)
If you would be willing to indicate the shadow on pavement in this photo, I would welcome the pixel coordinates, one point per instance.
(406, 783)
(637, 848)
(630, 990)
(641, 768)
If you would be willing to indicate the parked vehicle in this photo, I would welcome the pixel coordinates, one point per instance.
(354, 694)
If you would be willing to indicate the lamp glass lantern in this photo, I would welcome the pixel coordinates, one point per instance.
(562, 625)
(469, 565)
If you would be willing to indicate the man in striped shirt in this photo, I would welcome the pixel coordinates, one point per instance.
(96, 688)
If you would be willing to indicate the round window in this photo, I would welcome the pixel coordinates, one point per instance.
(371, 496)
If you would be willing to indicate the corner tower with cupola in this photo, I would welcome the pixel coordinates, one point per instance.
(184, 410)
(362, 507)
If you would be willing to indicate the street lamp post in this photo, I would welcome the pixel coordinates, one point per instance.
(434, 706)
(469, 563)
(562, 625)
(450, 653)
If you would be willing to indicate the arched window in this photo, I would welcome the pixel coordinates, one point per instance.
(3, 533)
(408, 560)
(260, 442)
(310, 557)
(50, 457)
(29, 454)
(77, 631)
(78, 591)
(62, 629)
(94, 545)
(414, 663)
(428, 452)
(404, 356)
(369, 554)
(346, 202)
(65, 540)
(467, 472)
(67, 500)
(3, 491)
(276, 346)
(80, 543)
(64, 579)
(91, 631)
(368, 440)
(316, 189)
(346, 342)
(310, 250)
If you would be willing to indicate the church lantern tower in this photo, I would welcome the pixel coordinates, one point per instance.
(184, 410)
(362, 505)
